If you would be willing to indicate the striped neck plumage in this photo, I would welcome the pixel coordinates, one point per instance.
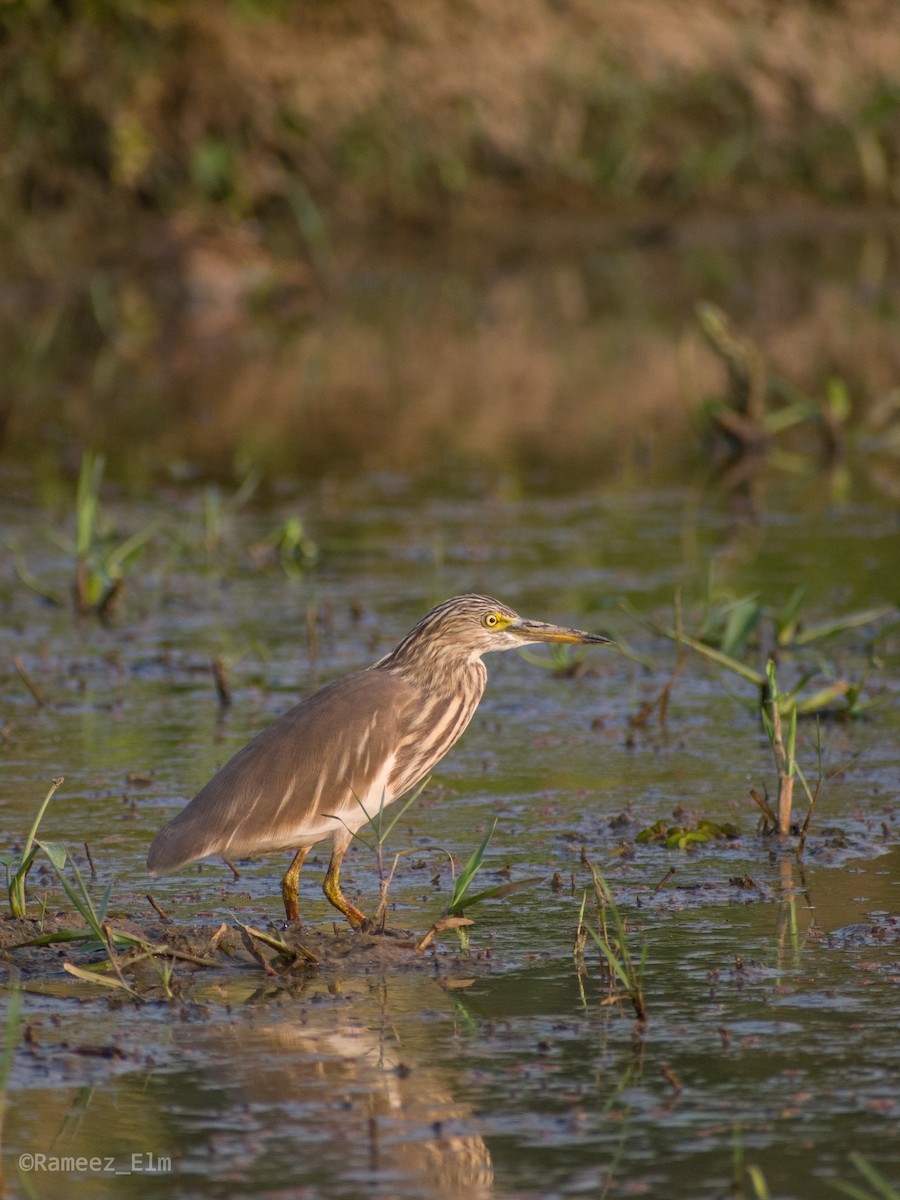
(433, 667)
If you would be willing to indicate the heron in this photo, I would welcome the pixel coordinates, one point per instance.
(330, 764)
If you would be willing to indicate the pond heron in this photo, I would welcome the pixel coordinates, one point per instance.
(332, 762)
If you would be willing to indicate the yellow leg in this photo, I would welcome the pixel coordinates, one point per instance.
(290, 884)
(332, 884)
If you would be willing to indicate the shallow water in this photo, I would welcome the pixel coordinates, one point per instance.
(771, 985)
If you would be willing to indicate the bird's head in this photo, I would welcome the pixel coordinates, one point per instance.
(466, 627)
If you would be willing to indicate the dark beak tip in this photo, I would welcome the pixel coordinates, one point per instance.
(560, 633)
(595, 639)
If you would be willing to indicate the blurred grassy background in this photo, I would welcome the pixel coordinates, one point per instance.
(181, 182)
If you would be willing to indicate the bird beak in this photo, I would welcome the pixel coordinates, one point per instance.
(538, 631)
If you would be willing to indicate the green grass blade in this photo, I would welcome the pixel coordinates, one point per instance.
(32, 832)
(87, 501)
(61, 935)
(760, 1187)
(744, 618)
(56, 852)
(767, 721)
(468, 872)
(373, 820)
(104, 900)
(17, 885)
(858, 1193)
(791, 740)
(786, 621)
(827, 629)
(785, 418)
(615, 963)
(31, 581)
(118, 558)
(407, 805)
(734, 665)
(874, 1177)
(821, 699)
(81, 899)
(86, 910)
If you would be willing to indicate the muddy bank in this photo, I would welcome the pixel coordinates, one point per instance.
(156, 960)
(281, 125)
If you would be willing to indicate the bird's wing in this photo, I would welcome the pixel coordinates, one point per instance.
(276, 793)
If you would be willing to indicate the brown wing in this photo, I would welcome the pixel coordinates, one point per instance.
(275, 792)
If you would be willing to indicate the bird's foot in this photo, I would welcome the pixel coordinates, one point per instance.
(358, 920)
(336, 897)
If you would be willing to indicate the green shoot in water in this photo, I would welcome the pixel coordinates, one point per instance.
(18, 866)
(460, 900)
(613, 944)
(881, 1188)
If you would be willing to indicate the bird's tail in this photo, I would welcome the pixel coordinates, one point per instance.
(170, 850)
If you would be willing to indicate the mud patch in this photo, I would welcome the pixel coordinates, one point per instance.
(160, 960)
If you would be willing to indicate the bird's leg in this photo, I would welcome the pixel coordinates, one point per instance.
(290, 884)
(332, 885)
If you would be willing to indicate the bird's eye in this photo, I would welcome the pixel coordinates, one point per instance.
(491, 620)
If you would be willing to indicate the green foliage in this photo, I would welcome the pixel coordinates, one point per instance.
(138, 101)
(219, 510)
(460, 899)
(99, 933)
(464, 879)
(731, 633)
(81, 899)
(881, 1189)
(679, 837)
(773, 704)
(99, 566)
(94, 916)
(213, 168)
(18, 866)
(614, 944)
(453, 917)
(758, 1179)
(100, 562)
(296, 550)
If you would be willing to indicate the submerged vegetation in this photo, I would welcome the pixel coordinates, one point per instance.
(730, 635)
(625, 973)
(100, 561)
(879, 1187)
(18, 866)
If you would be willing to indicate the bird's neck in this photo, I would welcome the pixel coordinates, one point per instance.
(440, 674)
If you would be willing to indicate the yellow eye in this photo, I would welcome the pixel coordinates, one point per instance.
(492, 620)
